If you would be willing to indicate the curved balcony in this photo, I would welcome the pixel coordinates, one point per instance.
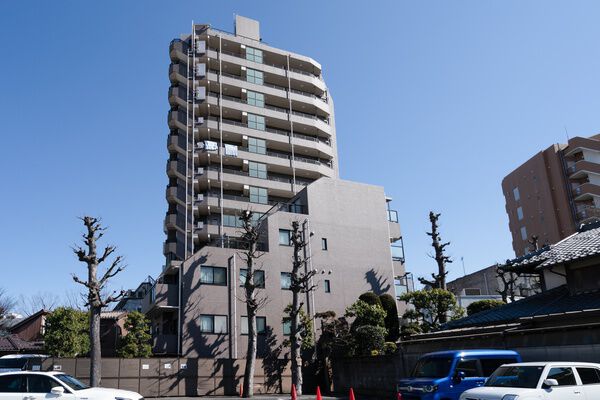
(178, 73)
(176, 143)
(177, 120)
(178, 51)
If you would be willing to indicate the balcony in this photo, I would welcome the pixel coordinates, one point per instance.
(582, 168)
(394, 226)
(178, 50)
(586, 191)
(177, 120)
(587, 212)
(176, 169)
(578, 144)
(178, 73)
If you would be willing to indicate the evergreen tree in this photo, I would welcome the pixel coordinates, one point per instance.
(66, 333)
(136, 343)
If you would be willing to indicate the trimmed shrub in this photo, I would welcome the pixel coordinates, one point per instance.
(392, 324)
(369, 339)
(483, 305)
(370, 298)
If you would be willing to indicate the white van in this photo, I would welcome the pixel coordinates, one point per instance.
(540, 381)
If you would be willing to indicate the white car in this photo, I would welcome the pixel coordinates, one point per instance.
(540, 381)
(27, 385)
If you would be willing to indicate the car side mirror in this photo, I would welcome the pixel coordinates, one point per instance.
(459, 376)
(550, 382)
(57, 391)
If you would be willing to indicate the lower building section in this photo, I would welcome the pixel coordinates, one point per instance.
(349, 235)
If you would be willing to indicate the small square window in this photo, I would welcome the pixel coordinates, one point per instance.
(258, 195)
(516, 194)
(257, 170)
(523, 233)
(255, 55)
(255, 99)
(258, 146)
(261, 325)
(324, 243)
(285, 237)
(286, 280)
(256, 122)
(287, 327)
(254, 76)
(327, 285)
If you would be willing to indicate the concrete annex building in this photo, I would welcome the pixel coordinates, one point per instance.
(553, 193)
(252, 127)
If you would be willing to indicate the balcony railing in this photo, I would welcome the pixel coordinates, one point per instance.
(278, 66)
(588, 212)
(272, 130)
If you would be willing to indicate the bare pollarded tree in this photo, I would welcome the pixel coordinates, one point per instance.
(96, 286)
(508, 279)
(301, 283)
(439, 279)
(7, 303)
(250, 236)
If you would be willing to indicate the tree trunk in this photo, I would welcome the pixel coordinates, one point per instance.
(295, 355)
(95, 356)
(250, 358)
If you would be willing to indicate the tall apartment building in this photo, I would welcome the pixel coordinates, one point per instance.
(252, 127)
(552, 193)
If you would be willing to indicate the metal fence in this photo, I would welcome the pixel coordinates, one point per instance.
(155, 377)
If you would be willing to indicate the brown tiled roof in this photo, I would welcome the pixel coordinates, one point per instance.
(13, 343)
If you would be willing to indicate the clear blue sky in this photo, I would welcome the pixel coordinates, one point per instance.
(436, 101)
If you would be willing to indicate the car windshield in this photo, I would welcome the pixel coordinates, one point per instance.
(71, 382)
(516, 376)
(432, 367)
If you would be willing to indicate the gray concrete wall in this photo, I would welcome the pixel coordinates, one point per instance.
(351, 216)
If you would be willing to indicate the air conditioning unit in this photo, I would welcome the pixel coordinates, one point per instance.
(200, 93)
(200, 197)
(200, 171)
(199, 120)
(200, 46)
(200, 70)
(199, 225)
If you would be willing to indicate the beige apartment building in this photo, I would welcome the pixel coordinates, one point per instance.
(252, 127)
(552, 193)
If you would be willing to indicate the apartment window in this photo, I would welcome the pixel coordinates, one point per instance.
(257, 146)
(253, 54)
(261, 325)
(287, 327)
(523, 233)
(254, 76)
(256, 122)
(255, 99)
(323, 243)
(259, 278)
(327, 285)
(285, 237)
(213, 323)
(516, 194)
(232, 221)
(257, 170)
(213, 275)
(258, 195)
(520, 213)
(286, 280)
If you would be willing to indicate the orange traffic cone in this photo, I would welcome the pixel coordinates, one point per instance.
(319, 394)
(241, 390)
(351, 395)
(294, 395)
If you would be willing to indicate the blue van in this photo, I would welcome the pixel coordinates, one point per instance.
(444, 375)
